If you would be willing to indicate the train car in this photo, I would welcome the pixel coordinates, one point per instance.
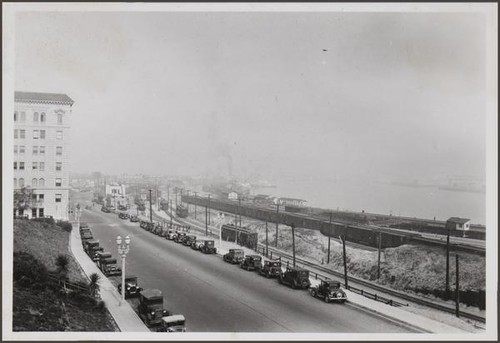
(241, 235)
(181, 211)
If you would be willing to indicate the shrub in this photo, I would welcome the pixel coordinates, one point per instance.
(65, 225)
(28, 271)
(46, 220)
(100, 305)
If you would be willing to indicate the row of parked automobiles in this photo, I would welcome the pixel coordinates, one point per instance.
(150, 307)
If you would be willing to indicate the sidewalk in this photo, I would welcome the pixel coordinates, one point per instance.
(125, 317)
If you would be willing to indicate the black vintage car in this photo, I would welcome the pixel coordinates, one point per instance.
(329, 291)
(234, 256)
(295, 277)
(134, 219)
(180, 237)
(208, 247)
(251, 262)
(190, 239)
(270, 269)
(123, 215)
(105, 209)
(131, 288)
(151, 308)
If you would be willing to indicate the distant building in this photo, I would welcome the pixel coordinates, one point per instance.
(232, 196)
(41, 151)
(293, 204)
(116, 194)
(460, 224)
(262, 199)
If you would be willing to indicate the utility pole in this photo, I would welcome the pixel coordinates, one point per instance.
(195, 201)
(209, 208)
(328, 257)
(267, 241)
(345, 263)
(206, 221)
(168, 193)
(175, 196)
(239, 208)
(457, 289)
(181, 196)
(379, 248)
(293, 243)
(170, 214)
(150, 207)
(447, 285)
(277, 220)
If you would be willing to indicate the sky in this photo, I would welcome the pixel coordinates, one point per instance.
(367, 95)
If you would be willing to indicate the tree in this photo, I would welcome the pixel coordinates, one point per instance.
(22, 199)
(62, 264)
(94, 284)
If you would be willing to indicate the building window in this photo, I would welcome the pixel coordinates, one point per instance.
(41, 166)
(42, 134)
(22, 134)
(15, 165)
(35, 166)
(35, 117)
(35, 150)
(58, 166)
(21, 183)
(58, 197)
(15, 116)
(33, 213)
(33, 196)
(41, 182)
(42, 150)
(58, 150)
(42, 117)
(34, 183)
(58, 182)
(15, 183)
(15, 149)
(40, 212)
(59, 135)
(16, 133)
(22, 149)
(41, 197)
(21, 165)
(59, 118)
(35, 134)
(23, 117)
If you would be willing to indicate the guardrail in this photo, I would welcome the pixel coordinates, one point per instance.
(68, 284)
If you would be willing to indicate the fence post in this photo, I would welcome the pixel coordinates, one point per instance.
(287, 263)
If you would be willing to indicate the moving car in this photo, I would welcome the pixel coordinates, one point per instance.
(329, 291)
(295, 277)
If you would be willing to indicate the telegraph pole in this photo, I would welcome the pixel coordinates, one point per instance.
(447, 285)
(345, 263)
(150, 207)
(379, 247)
(457, 290)
(328, 257)
(209, 208)
(239, 208)
(277, 220)
(293, 243)
(170, 214)
(267, 241)
(206, 220)
(195, 201)
(176, 190)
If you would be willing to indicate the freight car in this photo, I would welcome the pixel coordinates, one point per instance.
(241, 235)
(181, 211)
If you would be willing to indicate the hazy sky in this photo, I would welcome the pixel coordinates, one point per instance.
(363, 94)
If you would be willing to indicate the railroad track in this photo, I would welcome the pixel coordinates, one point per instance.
(401, 295)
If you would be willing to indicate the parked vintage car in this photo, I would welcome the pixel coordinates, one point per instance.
(180, 236)
(94, 253)
(143, 224)
(174, 323)
(270, 269)
(329, 291)
(123, 215)
(251, 262)
(295, 277)
(234, 256)
(171, 234)
(197, 244)
(131, 288)
(83, 225)
(86, 236)
(190, 239)
(105, 209)
(109, 267)
(122, 208)
(134, 219)
(208, 247)
(151, 308)
(89, 244)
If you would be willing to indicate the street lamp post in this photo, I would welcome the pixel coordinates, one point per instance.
(123, 249)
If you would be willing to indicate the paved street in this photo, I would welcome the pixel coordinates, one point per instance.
(219, 297)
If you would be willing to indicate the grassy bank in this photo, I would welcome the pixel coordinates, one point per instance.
(39, 303)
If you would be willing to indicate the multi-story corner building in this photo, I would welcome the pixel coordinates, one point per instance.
(41, 151)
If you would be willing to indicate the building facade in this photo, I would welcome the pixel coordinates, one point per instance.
(42, 123)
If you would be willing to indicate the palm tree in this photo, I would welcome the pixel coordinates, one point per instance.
(94, 284)
(62, 264)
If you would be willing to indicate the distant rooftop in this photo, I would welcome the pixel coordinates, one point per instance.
(458, 220)
(43, 98)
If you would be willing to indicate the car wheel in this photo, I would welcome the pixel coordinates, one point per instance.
(313, 293)
(327, 299)
(294, 285)
(280, 280)
(268, 275)
(342, 301)
(305, 284)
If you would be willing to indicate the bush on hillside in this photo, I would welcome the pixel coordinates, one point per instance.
(46, 220)
(65, 225)
(29, 271)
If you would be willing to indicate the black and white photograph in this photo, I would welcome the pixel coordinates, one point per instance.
(250, 171)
